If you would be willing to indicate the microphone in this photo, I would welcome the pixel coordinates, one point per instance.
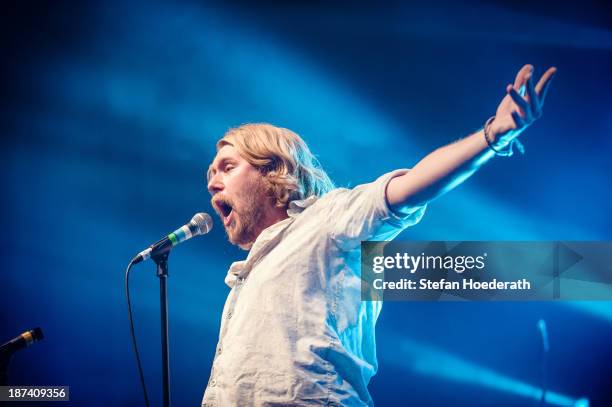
(22, 341)
(200, 224)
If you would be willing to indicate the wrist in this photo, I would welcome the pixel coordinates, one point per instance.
(502, 145)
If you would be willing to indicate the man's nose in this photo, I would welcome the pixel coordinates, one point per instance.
(215, 184)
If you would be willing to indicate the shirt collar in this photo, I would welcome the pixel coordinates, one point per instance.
(296, 207)
(265, 241)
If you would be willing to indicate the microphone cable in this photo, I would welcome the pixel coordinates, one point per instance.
(134, 343)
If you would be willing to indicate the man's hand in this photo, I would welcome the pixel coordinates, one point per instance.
(521, 106)
(448, 166)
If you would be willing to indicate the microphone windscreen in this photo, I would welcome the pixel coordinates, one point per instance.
(203, 223)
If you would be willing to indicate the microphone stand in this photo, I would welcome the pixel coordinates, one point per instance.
(162, 273)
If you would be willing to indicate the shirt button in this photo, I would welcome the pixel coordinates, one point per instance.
(229, 315)
(213, 383)
(218, 350)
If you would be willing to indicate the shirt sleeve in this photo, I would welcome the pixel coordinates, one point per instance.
(363, 213)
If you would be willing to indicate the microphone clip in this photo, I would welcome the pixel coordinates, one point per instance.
(161, 260)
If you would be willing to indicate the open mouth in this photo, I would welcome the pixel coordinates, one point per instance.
(225, 210)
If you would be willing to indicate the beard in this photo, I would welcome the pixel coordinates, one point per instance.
(248, 213)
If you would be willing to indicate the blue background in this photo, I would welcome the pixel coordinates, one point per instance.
(110, 112)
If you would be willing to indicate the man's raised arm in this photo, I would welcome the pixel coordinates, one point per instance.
(448, 166)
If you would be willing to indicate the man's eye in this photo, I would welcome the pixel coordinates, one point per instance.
(229, 168)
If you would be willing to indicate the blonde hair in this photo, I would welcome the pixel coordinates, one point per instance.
(283, 158)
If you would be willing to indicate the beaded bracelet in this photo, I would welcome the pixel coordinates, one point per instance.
(510, 148)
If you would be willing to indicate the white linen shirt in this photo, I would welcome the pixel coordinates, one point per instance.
(294, 330)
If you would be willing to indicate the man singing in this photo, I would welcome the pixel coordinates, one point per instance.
(294, 330)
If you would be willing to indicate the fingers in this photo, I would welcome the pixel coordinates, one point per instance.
(544, 83)
(518, 120)
(530, 107)
(521, 76)
(545, 79)
(533, 98)
(520, 102)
